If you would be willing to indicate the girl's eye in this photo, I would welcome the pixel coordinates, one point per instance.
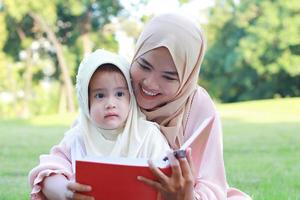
(120, 94)
(99, 96)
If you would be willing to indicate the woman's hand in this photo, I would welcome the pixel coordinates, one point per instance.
(180, 185)
(73, 188)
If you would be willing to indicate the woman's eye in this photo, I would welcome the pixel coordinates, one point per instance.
(170, 78)
(99, 96)
(144, 67)
(120, 94)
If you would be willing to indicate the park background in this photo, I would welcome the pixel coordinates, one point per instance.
(251, 69)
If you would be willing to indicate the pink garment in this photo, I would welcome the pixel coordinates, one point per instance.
(211, 181)
(62, 158)
(57, 162)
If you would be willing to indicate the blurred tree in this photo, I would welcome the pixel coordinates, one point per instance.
(72, 27)
(44, 16)
(254, 50)
(84, 21)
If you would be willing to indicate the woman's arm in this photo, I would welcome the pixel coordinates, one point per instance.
(209, 181)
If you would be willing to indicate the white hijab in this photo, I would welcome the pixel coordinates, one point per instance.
(130, 138)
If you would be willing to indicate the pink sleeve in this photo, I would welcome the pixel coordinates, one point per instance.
(211, 181)
(57, 162)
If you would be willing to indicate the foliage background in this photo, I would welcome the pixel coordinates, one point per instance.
(253, 52)
(253, 49)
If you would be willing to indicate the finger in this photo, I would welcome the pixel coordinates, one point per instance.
(78, 196)
(185, 168)
(172, 159)
(186, 171)
(162, 178)
(176, 170)
(78, 187)
(69, 194)
(151, 183)
(190, 161)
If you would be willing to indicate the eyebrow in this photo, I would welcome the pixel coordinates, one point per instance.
(121, 88)
(97, 89)
(103, 89)
(172, 73)
(145, 62)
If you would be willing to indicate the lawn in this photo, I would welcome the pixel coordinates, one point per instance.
(261, 148)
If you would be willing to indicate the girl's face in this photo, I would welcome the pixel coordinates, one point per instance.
(154, 78)
(108, 99)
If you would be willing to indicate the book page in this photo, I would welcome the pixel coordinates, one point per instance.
(124, 161)
(197, 133)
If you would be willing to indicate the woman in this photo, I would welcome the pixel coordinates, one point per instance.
(164, 73)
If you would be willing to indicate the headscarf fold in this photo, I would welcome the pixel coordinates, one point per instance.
(186, 44)
(131, 136)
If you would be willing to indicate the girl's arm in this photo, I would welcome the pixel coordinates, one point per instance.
(59, 187)
(51, 179)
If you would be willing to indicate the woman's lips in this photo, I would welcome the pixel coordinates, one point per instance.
(148, 94)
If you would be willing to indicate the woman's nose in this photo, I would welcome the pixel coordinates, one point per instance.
(151, 83)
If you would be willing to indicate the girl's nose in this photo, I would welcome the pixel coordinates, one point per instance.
(110, 104)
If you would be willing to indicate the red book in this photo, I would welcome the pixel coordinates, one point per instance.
(116, 178)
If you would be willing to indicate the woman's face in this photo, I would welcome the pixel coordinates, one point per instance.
(154, 78)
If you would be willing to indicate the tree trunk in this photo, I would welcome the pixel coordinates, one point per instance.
(27, 76)
(62, 63)
(85, 27)
(28, 84)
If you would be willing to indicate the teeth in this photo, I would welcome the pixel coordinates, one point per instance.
(149, 93)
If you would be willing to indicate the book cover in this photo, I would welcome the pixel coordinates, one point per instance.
(116, 178)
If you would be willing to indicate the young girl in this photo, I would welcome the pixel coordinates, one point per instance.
(109, 124)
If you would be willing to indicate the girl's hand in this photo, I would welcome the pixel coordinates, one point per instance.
(180, 185)
(73, 188)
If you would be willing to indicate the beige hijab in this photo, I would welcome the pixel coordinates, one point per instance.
(130, 138)
(186, 44)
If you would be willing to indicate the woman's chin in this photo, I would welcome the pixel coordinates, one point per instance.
(146, 105)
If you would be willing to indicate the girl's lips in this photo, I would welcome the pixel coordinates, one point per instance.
(110, 115)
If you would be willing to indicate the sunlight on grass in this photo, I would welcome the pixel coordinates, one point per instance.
(63, 119)
(263, 111)
(261, 148)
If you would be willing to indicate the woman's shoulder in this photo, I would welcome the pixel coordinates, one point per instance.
(201, 108)
(202, 102)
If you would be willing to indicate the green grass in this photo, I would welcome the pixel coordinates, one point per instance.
(261, 148)
(21, 143)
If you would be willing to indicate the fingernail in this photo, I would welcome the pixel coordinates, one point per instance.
(150, 162)
(88, 188)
